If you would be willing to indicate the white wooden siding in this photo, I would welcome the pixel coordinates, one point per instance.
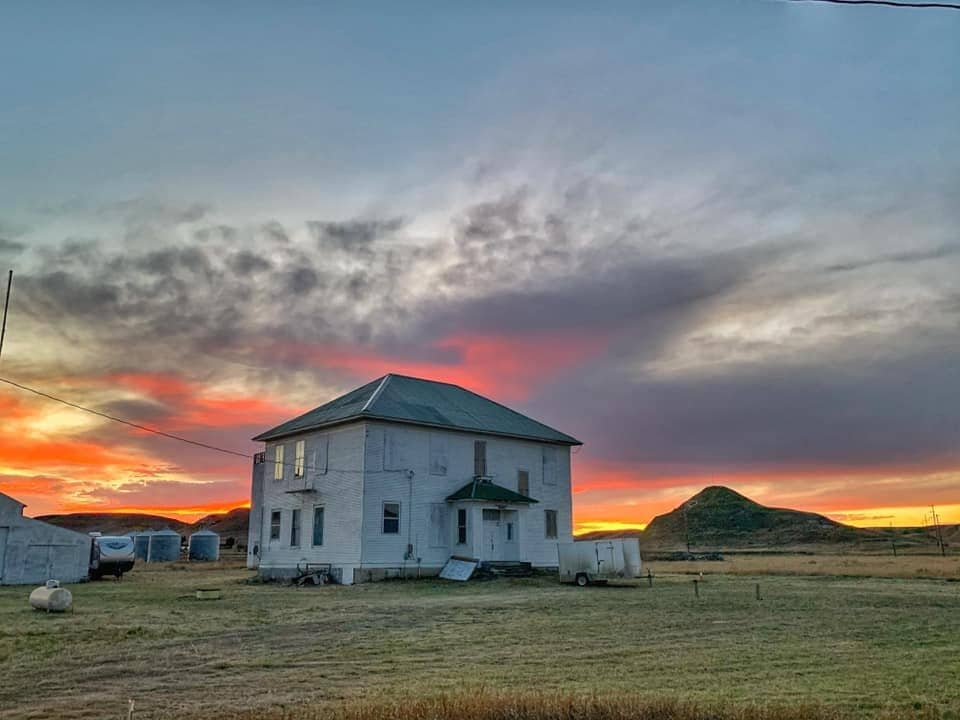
(337, 484)
(355, 468)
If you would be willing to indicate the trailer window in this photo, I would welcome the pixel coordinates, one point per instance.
(550, 517)
(391, 518)
(275, 525)
(462, 526)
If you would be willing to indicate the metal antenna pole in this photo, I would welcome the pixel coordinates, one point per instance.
(6, 306)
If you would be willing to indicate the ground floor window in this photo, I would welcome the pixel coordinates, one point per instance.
(462, 526)
(550, 516)
(295, 528)
(391, 518)
(318, 525)
(275, 525)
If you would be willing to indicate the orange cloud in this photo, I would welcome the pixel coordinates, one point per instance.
(503, 366)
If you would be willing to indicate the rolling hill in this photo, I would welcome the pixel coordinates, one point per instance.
(720, 518)
(229, 524)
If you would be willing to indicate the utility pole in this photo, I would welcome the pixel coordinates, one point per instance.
(936, 527)
(686, 524)
(6, 306)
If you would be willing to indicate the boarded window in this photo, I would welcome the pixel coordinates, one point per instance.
(299, 458)
(523, 482)
(275, 525)
(438, 454)
(462, 526)
(320, 452)
(395, 450)
(318, 526)
(480, 458)
(549, 466)
(294, 528)
(438, 525)
(391, 518)
(278, 462)
(550, 517)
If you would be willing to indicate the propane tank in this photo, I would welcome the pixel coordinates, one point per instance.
(51, 597)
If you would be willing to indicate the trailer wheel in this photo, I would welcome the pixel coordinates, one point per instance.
(582, 580)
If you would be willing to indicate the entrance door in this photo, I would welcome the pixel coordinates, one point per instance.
(508, 535)
(492, 541)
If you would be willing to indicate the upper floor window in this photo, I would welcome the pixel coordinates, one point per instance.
(391, 518)
(278, 462)
(549, 466)
(275, 525)
(300, 455)
(550, 516)
(480, 458)
(523, 482)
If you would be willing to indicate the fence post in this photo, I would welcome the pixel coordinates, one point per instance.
(758, 590)
(696, 587)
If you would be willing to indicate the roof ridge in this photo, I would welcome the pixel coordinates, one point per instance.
(376, 393)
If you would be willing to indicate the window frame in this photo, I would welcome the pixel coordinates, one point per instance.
(384, 518)
(299, 458)
(550, 516)
(278, 465)
(462, 526)
(480, 468)
(523, 489)
(278, 516)
(313, 529)
(296, 527)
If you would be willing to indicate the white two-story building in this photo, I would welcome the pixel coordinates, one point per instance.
(399, 475)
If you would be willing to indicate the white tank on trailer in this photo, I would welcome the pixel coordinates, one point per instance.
(598, 561)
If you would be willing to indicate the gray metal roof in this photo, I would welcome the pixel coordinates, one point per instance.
(404, 399)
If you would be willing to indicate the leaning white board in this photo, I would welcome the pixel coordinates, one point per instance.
(459, 570)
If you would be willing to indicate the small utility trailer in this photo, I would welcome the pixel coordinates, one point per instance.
(598, 561)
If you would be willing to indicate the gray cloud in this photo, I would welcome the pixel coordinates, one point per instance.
(846, 379)
(11, 246)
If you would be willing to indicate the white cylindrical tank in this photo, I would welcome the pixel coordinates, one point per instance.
(141, 543)
(51, 597)
(164, 546)
(204, 545)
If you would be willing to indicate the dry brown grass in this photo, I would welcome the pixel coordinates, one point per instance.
(877, 566)
(493, 706)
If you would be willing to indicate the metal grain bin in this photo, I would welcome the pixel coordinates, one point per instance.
(141, 543)
(204, 545)
(164, 546)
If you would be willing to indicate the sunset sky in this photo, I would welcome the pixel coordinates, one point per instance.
(718, 242)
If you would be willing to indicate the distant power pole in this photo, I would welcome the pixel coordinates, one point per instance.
(6, 306)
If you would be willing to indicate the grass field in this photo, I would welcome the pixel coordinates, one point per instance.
(854, 645)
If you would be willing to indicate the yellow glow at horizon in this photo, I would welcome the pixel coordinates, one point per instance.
(912, 516)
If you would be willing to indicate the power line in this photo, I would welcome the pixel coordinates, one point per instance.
(155, 431)
(303, 466)
(889, 3)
